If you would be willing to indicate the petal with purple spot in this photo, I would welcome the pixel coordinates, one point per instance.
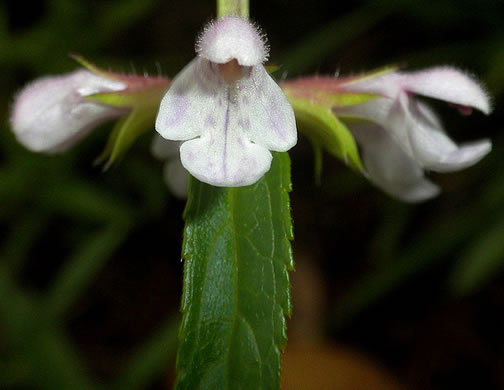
(224, 155)
(195, 93)
(266, 109)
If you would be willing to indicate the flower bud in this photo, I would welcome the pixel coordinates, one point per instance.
(52, 113)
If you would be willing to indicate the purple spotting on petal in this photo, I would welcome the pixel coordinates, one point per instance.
(277, 119)
(199, 79)
(244, 123)
(190, 156)
(179, 108)
(213, 67)
(182, 89)
(202, 83)
(210, 121)
(246, 166)
(204, 76)
(214, 70)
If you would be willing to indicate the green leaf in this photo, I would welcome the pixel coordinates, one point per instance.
(236, 285)
(320, 124)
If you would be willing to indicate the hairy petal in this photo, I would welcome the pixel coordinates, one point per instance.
(448, 84)
(231, 38)
(389, 167)
(443, 83)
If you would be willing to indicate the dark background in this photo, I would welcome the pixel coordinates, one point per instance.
(90, 270)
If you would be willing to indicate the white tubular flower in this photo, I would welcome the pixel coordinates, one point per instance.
(227, 108)
(51, 114)
(174, 174)
(404, 136)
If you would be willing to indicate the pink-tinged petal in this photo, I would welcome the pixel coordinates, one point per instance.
(265, 113)
(231, 38)
(195, 99)
(448, 84)
(389, 167)
(51, 114)
(433, 149)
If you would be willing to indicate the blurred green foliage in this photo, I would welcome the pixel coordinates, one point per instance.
(70, 232)
(62, 218)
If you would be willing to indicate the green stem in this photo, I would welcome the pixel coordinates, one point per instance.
(233, 8)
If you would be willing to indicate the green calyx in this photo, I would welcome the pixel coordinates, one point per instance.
(140, 101)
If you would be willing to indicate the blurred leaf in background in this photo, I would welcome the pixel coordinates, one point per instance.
(71, 235)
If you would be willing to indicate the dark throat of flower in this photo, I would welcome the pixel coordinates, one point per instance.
(231, 71)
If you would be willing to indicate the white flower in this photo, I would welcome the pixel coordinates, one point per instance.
(175, 176)
(404, 137)
(226, 108)
(51, 114)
